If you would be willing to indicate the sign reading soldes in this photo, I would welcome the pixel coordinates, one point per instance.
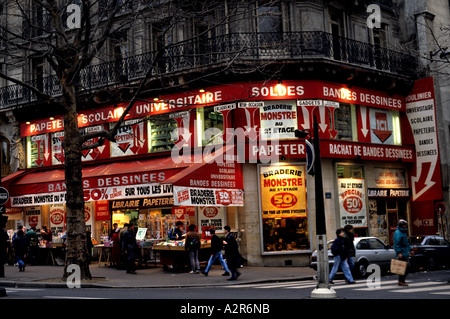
(248, 91)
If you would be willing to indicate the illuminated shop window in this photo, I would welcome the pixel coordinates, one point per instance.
(283, 208)
(385, 127)
(38, 149)
(163, 134)
(345, 122)
(209, 126)
(396, 127)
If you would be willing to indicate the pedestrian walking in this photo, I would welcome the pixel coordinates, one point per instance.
(115, 238)
(350, 249)
(89, 244)
(216, 252)
(340, 258)
(33, 245)
(232, 254)
(129, 245)
(192, 246)
(3, 249)
(20, 244)
(123, 256)
(402, 247)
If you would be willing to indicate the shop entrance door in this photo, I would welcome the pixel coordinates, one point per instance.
(396, 209)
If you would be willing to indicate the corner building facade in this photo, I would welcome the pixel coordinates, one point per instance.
(228, 154)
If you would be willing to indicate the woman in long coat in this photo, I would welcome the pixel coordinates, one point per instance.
(232, 254)
(115, 255)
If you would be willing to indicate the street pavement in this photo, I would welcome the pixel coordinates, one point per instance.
(149, 277)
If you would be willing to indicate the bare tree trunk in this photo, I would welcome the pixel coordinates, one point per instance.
(76, 249)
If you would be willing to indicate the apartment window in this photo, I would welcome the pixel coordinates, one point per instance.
(4, 156)
(37, 73)
(380, 43)
(160, 41)
(337, 29)
(269, 18)
(119, 42)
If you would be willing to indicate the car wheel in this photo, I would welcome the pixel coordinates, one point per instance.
(361, 268)
(431, 263)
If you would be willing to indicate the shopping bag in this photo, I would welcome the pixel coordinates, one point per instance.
(398, 267)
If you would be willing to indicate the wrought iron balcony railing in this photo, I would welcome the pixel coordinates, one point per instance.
(230, 48)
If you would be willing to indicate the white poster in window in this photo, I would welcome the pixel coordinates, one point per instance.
(381, 125)
(33, 217)
(88, 214)
(57, 214)
(130, 139)
(212, 216)
(57, 149)
(352, 202)
(278, 119)
(140, 235)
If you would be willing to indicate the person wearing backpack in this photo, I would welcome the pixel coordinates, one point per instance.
(20, 244)
(340, 258)
(192, 246)
(176, 233)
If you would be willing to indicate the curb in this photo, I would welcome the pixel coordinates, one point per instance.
(28, 284)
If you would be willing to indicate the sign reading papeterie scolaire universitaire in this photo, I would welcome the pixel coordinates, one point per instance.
(421, 113)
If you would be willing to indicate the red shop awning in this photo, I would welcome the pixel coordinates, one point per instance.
(124, 179)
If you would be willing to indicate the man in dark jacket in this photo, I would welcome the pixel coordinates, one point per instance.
(340, 258)
(20, 244)
(232, 253)
(129, 245)
(349, 246)
(216, 252)
(3, 249)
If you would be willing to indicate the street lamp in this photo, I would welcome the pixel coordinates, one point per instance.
(322, 289)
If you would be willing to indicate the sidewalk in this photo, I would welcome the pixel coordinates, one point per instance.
(151, 277)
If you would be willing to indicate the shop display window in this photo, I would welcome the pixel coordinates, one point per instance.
(284, 210)
(36, 147)
(157, 221)
(345, 122)
(163, 134)
(285, 234)
(210, 124)
(350, 171)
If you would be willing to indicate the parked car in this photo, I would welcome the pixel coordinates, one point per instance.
(429, 252)
(369, 250)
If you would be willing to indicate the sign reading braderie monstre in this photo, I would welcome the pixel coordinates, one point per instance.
(283, 191)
